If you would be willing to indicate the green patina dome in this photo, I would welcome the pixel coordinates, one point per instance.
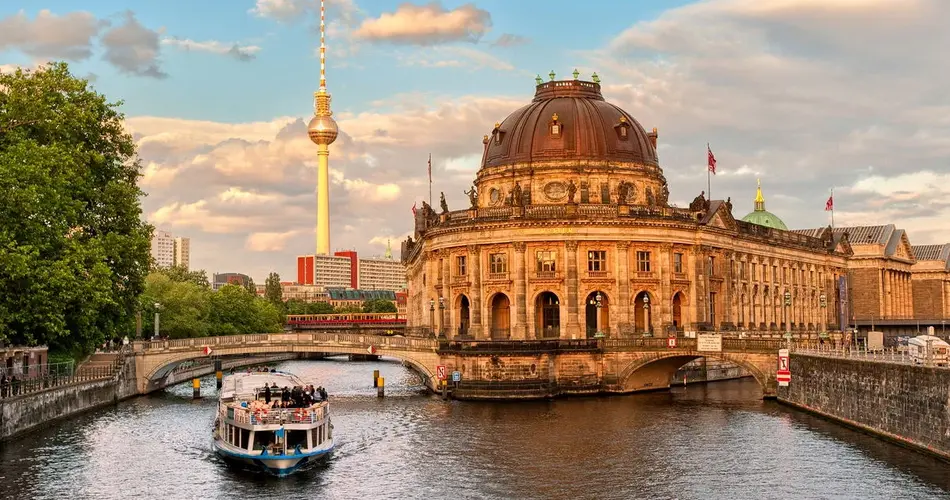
(763, 217)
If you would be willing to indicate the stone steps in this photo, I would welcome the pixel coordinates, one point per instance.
(97, 364)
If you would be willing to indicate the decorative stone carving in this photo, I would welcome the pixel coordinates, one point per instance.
(519, 246)
(472, 196)
(623, 192)
(571, 245)
(623, 245)
(729, 204)
(650, 200)
(699, 202)
(495, 196)
(445, 206)
(664, 198)
(555, 191)
(517, 196)
(571, 190)
(473, 249)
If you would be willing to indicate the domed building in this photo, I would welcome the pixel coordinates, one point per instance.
(570, 234)
(759, 215)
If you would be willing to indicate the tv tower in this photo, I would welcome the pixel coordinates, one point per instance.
(323, 131)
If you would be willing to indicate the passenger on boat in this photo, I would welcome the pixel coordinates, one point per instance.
(267, 394)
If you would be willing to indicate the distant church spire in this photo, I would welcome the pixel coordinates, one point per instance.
(759, 199)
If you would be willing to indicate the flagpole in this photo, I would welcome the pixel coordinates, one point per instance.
(832, 208)
(708, 182)
(430, 179)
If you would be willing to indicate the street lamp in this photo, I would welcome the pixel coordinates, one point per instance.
(646, 314)
(432, 314)
(157, 328)
(442, 317)
(598, 302)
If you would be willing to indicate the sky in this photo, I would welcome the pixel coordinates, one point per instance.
(806, 95)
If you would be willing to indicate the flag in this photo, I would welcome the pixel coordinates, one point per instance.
(711, 160)
(830, 204)
(413, 208)
(430, 168)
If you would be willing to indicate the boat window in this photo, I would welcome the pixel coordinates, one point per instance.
(245, 437)
(296, 438)
(262, 439)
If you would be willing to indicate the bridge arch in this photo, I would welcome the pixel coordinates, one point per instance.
(656, 370)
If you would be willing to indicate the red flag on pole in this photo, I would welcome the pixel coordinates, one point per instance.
(711, 159)
(413, 208)
(830, 204)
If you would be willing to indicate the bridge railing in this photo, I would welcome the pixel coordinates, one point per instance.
(338, 338)
(42, 383)
(508, 346)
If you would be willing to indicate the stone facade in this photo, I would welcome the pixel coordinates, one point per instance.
(931, 281)
(903, 402)
(570, 210)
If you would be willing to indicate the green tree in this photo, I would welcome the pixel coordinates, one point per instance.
(184, 307)
(250, 286)
(379, 306)
(74, 251)
(181, 274)
(273, 291)
(349, 308)
(320, 308)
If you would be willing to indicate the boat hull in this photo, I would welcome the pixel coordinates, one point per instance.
(277, 465)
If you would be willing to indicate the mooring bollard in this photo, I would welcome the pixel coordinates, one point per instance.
(445, 389)
(218, 374)
(196, 386)
(380, 387)
(375, 378)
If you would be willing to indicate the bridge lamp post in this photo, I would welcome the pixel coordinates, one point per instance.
(647, 327)
(442, 317)
(157, 327)
(598, 302)
(432, 314)
(823, 302)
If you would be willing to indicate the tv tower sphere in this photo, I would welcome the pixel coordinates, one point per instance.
(323, 129)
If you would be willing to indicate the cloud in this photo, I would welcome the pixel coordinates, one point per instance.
(50, 36)
(426, 25)
(269, 242)
(235, 50)
(291, 11)
(455, 57)
(805, 94)
(510, 40)
(133, 48)
(252, 185)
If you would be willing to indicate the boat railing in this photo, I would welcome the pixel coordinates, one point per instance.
(268, 416)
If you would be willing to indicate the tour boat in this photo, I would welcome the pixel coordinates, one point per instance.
(251, 432)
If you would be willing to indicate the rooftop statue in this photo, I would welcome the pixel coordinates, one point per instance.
(571, 191)
(445, 206)
(699, 202)
(472, 197)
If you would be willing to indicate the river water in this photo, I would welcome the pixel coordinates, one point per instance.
(718, 441)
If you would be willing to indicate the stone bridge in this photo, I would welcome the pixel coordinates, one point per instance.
(489, 369)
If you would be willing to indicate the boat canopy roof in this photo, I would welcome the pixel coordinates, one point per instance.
(921, 340)
(245, 385)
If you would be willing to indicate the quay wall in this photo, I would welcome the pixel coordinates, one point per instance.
(544, 375)
(20, 414)
(904, 403)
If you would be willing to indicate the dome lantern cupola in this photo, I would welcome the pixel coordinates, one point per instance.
(760, 215)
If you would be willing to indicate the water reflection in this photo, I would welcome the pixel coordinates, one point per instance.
(703, 442)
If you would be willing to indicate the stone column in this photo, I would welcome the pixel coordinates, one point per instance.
(573, 323)
(697, 289)
(622, 303)
(886, 297)
(663, 315)
(444, 316)
(475, 299)
(519, 329)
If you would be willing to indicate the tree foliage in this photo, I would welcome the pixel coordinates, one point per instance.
(273, 291)
(297, 306)
(379, 306)
(181, 274)
(187, 309)
(74, 251)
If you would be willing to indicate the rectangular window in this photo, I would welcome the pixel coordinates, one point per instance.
(498, 263)
(677, 263)
(460, 265)
(775, 274)
(711, 270)
(754, 267)
(643, 262)
(547, 260)
(597, 260)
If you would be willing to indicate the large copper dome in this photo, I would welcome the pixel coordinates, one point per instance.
(569, 120)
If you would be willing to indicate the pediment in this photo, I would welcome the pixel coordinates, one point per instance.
(722, 219)
(904, 250)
